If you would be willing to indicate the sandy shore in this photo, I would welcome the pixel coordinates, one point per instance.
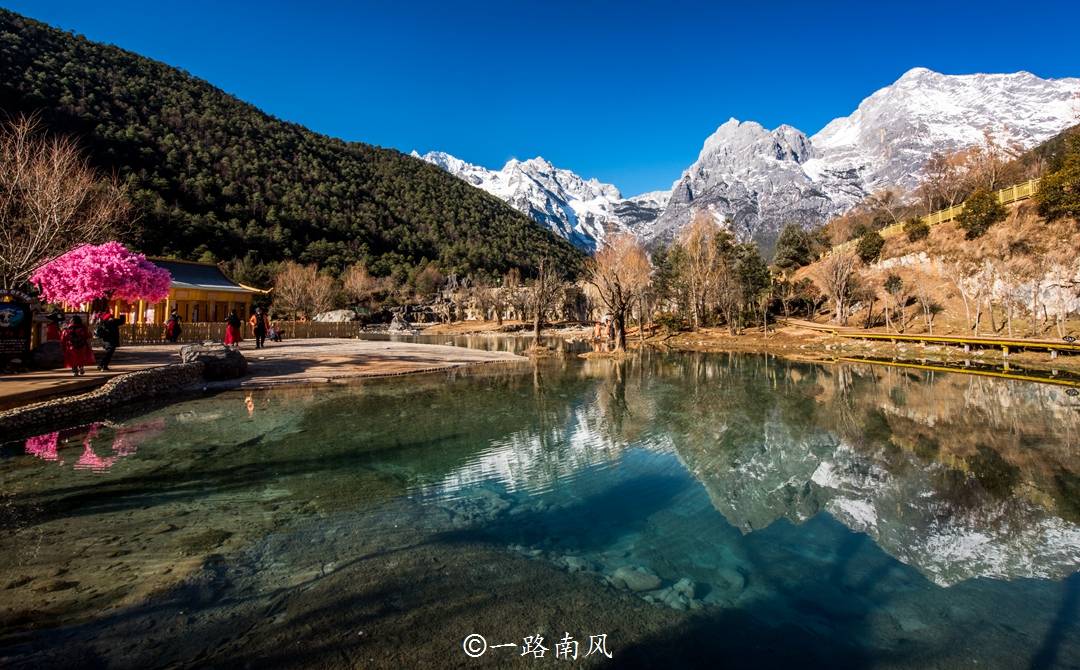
(319, 361)
(289, 362)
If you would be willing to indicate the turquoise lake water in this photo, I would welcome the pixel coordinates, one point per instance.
(699, 509)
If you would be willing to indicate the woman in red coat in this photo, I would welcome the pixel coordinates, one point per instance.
(75, 342)
(232, 329)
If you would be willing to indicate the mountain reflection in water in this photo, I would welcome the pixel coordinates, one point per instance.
(856, 504)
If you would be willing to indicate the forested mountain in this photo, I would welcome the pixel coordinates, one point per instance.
(214, 177)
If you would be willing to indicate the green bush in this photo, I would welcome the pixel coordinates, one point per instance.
(916, 229)
(869, 247)
(981, 210)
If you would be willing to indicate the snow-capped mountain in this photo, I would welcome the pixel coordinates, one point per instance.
(759, 180)
(755, 179)
(582, 211)
(892, 133)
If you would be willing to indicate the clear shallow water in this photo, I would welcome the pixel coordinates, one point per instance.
(784, 512)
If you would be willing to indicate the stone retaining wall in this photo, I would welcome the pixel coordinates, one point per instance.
(119, 390)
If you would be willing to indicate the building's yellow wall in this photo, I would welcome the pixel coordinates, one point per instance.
(193, 305)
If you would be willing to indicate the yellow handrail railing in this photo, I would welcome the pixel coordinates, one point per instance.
(1005, 196)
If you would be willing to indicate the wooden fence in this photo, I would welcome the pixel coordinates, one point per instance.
(143, 333)
(1005, 196)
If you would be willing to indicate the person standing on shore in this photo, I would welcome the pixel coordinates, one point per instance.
(108, 330)
(232, 330)
(75, 343)
(52, 325)
(172, 327)
(258, 327)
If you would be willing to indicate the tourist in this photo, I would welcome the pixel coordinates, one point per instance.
(172, 327)
(75, 343)
(52, 325)
(232, 330)
(108, 329)
(275, 333)
(258, 327)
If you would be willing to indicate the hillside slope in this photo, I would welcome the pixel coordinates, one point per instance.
(210, 174)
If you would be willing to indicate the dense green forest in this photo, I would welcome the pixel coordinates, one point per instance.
(214, 178)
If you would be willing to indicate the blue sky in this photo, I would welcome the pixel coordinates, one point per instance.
(622, 91)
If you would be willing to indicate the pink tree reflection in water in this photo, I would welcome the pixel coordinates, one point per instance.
(126, 440)
(44, 446)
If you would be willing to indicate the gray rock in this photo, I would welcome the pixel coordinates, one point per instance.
(219, 361)
(400, 323)
(576, 564)
(335, 316)
(635, 578)
(684, 587)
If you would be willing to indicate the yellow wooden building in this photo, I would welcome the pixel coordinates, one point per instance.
(200, 292)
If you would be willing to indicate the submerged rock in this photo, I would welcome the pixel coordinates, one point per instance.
(684, 587)
(635, 578)
(576, 564)
(731, 579)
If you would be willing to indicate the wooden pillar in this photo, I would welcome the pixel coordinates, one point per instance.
(140, 313)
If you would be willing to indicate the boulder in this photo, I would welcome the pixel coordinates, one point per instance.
(336, 316)
(219, 361)
(399, 323)
(684, 587)
(47, 356)
(636, 579)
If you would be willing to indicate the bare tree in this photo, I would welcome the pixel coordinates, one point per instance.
(838, 277)
(930, 307)
(702, 263)
(50, 200)
(301, 290)
(543, 294)
(322, 293)
(359, 285)
(988, 163)
(617, 272)
(943, 181)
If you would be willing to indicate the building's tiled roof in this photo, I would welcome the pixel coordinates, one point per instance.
(199, 276)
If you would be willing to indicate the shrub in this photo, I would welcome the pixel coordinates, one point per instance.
(869, 247)
(981, 210)
(916, 229)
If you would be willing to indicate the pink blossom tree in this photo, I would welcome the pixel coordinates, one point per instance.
(103, 271)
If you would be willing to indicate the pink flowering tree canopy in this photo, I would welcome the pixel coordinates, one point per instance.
(94, 271)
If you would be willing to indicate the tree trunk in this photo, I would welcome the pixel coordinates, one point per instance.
(1034, 309)
(537, 322)
(620, 330)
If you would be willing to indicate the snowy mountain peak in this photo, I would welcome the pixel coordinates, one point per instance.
(583, 211)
